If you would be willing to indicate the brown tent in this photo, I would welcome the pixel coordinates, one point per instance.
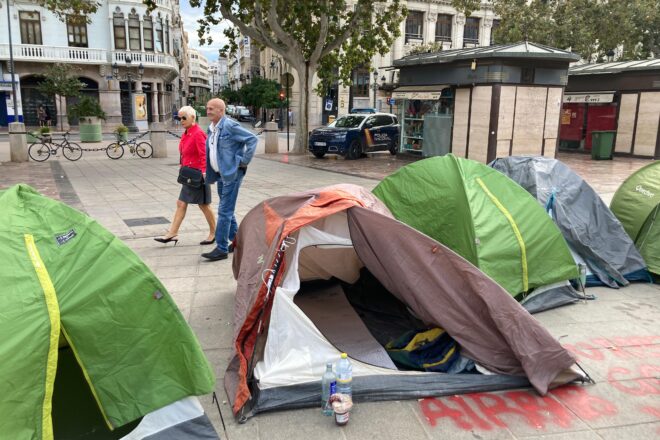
(285, 331)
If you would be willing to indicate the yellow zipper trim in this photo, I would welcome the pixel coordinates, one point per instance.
(449, 354)
(54, 317)
(516, 231)
(87, 378)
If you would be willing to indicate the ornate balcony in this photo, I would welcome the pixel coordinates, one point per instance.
(49, 54)
(83, 55)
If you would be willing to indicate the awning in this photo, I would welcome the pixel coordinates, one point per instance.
(419, 92)
(589, 98)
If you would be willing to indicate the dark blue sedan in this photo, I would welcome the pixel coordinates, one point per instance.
(355, 134)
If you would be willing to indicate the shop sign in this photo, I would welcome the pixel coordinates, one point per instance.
(6, 85)
(589, 98)
(416, 95)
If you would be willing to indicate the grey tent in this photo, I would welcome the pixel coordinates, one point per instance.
(595, 236)
(330, 270)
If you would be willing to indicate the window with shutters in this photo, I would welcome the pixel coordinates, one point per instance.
(148, 33)
(159, 34)
(360, 87)
(496, 24)
(471, 30)
(167, 35)
(76, 28)
(134, 31)
(414, 25)
(443, 27)
(119, 30)
(30, 22)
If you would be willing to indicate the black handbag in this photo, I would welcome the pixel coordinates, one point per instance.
(191, 177)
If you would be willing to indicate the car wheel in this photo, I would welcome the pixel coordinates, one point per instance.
(319, 155)
(354, 150)
(393, 148)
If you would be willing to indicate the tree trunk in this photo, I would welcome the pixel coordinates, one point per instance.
(305, 75)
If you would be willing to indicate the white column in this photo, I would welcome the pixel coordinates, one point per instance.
(128, 37)
(431, 18)
(141, 35)
(487, 27)
(459, 26)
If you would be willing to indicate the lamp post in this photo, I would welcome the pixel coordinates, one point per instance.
(389, 100)
(129, 76)
(11, 64)
(375, 85)
(279, 73)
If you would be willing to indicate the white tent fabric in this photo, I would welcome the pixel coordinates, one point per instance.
(296, 351)
(170, 416)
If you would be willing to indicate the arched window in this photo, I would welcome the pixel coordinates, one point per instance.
(134, 31)
(119, 30)
(148, 33)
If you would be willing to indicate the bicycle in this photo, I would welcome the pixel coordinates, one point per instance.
(46, 146)
(144, 149)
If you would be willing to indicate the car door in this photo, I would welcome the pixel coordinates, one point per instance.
(379, 132)
(370, 130)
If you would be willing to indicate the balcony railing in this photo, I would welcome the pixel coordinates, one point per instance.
(82, 55)
(34, 52)
(147, 59)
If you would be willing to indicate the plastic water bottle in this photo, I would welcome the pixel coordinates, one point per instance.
(329, 387)
(344, 375)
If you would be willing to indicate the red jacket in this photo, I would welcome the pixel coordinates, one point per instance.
(193, 148)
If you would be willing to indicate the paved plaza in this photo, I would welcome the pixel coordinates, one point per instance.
(615, 338)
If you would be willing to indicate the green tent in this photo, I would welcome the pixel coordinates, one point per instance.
(482, 215)
(637, 206)
(66, 281)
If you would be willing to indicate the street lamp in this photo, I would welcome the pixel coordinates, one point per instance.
(375, 85)
(279, 73)
(129, 76)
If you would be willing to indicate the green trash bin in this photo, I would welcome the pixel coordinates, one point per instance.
(602, 144)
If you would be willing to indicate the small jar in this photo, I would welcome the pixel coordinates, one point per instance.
(342, 418)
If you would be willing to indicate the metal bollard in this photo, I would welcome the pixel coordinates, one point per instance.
(272, 142)
(18, 151)
(158, 139)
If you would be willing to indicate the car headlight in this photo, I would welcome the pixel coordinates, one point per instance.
(340, 136)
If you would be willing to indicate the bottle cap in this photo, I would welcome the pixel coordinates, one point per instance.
(328, 365)
(344, 355)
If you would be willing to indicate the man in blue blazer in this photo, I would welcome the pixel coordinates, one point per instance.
(229, 150)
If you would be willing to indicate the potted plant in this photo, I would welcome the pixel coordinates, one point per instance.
(44, 134)
(121, 132)
(89, 113)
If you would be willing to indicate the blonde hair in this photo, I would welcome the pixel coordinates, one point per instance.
(188, 112)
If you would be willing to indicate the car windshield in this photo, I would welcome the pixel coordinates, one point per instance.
(347, 122)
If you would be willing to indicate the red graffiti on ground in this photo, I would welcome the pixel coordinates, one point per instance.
(486, 409)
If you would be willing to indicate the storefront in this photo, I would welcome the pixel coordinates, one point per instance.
(482, 103)
(623, 97)
(426, 118)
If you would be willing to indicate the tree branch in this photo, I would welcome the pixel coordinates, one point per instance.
(323, 34)
(336, 44)
(290, 43)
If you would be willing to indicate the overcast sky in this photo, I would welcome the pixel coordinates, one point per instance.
(190, 16)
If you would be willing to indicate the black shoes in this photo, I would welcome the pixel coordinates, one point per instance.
(203, 242)
(215, 255)
(167, 240)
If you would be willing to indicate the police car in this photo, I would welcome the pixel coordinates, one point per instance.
(355, 134)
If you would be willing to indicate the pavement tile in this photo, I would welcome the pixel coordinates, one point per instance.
(640, 431)
(572, 435)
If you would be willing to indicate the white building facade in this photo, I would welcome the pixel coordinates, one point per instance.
(121, 32)
(219, 75)
(199, 77)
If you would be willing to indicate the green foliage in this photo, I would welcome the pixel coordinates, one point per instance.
(466, 7)
(229, 96)
(261, 93)
(80, 8)
(44, 130)
(428, 47)
(591, 28)
(121, 129)
(59, 80)
(87, 107)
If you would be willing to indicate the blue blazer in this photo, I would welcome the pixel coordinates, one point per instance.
(235, 146)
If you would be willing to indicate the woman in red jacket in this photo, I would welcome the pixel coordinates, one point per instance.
(193, 154)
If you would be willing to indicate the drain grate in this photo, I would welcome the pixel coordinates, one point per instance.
(146, 221)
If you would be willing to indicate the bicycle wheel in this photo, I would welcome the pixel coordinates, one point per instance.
(39, 151)
(114, 150)
(144, 150)
(72, 151)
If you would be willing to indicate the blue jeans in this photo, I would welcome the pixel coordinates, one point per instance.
(225, 231)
